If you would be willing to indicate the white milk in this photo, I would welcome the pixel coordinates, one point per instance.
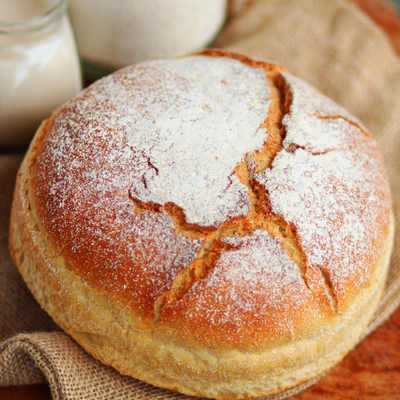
(39, 67)
(116, 33)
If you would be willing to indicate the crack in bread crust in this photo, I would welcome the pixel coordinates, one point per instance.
(329, 287)
(260, 215)
(281, 99)
(349, 121)
(292, 147)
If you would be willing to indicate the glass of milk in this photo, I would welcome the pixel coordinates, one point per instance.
(39, 66)
(115, 33)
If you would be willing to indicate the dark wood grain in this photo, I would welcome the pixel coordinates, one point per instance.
(31, 392)
(385, 15)
(370, 371)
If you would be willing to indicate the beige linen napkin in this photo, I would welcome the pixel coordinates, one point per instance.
(328, 43)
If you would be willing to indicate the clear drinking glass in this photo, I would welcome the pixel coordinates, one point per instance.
(39, 66)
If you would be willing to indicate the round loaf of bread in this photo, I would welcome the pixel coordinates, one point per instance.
(209, 224)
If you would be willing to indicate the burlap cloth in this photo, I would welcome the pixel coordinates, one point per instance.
(330, 44)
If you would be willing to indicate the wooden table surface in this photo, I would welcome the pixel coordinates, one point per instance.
(372, 370)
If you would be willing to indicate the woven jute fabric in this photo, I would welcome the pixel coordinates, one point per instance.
(328, 43)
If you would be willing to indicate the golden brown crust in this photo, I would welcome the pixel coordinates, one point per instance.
(223, 298)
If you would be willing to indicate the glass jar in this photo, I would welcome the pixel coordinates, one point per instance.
(39, 66)
(115, 33)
